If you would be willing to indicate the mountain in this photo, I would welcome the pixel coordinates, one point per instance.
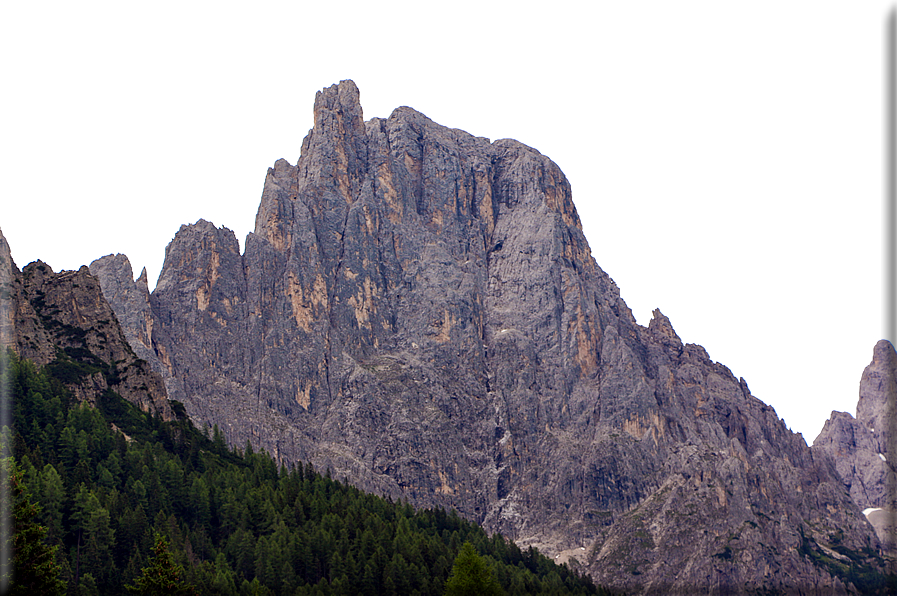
(418, 311)
(863, 448)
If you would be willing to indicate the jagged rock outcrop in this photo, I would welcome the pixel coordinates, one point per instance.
(863, 448)
(63, 320)
(418, 310)
(7, 304)
(21, 327)
(130, 300)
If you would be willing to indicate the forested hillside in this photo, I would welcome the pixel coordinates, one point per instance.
(108, 478)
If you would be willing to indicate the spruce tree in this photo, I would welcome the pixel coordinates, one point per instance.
(472, 575)
(163, 577)
(52, 499)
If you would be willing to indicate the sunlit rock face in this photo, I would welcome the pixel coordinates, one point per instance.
(419, 311)
(863, 447)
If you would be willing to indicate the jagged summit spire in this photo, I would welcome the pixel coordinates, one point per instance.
(344, 96)
(661, 326)
(338, 112)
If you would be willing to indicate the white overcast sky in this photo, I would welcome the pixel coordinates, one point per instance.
(726, 158)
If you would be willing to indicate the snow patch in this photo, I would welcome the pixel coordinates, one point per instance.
(883, 458)
(866, 512)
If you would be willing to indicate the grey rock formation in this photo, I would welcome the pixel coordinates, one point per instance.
(419, 311)
(7, 289)
(876, 407)
(863, 448)
(20, 326)
(64, 319)
(130, 300)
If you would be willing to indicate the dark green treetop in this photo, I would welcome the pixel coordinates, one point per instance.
(163, 577)
(472, 575)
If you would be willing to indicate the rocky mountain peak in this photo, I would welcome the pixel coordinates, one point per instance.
(339, 107)
(335, 150)
(660, 328)
(863, 448)
(876, 407)
(419, 311)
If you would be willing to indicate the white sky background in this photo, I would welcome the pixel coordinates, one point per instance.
(726, 158)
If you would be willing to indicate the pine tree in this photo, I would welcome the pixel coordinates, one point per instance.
(224, 582)
(472, 575)
(218, 441)
(163, 577)
(52, 497)
(99, 544)
(87, 586)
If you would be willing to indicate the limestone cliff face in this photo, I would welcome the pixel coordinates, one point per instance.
(418, 310)
(863, 448)
(63, 319)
